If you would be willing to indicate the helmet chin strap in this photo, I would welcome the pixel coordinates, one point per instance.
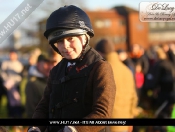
(80, 57)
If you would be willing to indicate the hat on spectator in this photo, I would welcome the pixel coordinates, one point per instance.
(13, 50)
(44, 58)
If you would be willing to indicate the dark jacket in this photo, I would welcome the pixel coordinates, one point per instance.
(2, 89)
(171, 56)
(34, 92)
(163, 79)
(99, 92)
(143, 61)
(128, 62)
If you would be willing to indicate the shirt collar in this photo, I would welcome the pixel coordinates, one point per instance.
(69, 63)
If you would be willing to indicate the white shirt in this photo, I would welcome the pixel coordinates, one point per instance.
(69, 63)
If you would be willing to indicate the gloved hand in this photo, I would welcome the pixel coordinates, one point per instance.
(34, 129)
(69, 129)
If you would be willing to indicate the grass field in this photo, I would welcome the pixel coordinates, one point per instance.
(3, 109)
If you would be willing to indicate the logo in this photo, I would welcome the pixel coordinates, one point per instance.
(82, 25)
(78, 69)
(157, 12)
(17, 17)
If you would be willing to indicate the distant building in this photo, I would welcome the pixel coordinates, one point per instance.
(108, 24)
(122, 25)
(160, 32)
(137, 31)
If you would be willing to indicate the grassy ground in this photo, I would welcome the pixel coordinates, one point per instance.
(3, 109)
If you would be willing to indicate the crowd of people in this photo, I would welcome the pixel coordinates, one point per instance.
(102, 82)
(35, 72)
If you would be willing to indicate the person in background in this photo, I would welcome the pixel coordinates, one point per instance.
(126, 100)
(137, 56)
(2, 89)
(169, 50)
(172, 47)
(37, 80)
(11, 75)
(56, 58)
(123, 56)
(163, 84)
(139, 79)
(33, 56)
(80, 84)
(32, 60)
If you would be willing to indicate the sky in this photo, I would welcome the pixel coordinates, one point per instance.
(8, 6)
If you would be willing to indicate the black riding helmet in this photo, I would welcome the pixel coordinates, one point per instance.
(67, 21)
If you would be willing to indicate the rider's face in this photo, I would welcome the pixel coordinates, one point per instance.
(71, 47)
